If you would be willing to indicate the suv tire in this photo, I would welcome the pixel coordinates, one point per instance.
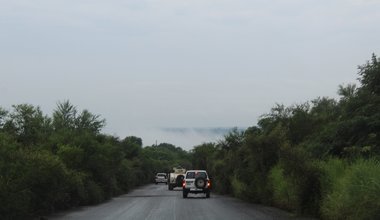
(200, 182)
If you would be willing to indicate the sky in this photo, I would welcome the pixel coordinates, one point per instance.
(149, 65)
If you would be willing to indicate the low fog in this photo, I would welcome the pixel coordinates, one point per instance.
(185, 138)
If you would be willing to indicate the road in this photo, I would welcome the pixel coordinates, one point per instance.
(157, 202)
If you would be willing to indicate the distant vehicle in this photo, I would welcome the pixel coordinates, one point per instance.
(196, 181)
(175, 179)
(161, 178)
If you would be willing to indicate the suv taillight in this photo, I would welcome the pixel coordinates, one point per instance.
(183, 183)
(208, 184)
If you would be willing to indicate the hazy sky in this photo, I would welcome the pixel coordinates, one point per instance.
(150, 64)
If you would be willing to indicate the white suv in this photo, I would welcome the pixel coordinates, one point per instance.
(196, 181)
(161, 178)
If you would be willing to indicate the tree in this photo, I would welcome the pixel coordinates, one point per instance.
(370, 75)
(347, 92)
(87, 121)
(27, 124)
(64, 116)
(3, 115)
(131, 146)
(203, 155)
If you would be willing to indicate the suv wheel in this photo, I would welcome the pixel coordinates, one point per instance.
(179, 180)
(208, 194)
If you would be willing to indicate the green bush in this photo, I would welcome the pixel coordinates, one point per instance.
(15, 199)
(31, 183)
(47, 178)
(77, 188)
(355, 194)
(221, 182)
(95, 193)
(239, 188)
(53, 163)
(302, 174)
(72, 156)
(333, 170)
(125, 176)
(284, 192)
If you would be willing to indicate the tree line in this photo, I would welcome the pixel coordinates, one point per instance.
(54, 163)
(318, 158)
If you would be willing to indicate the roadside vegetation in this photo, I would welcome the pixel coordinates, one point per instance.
(54, 163)
(319, 158)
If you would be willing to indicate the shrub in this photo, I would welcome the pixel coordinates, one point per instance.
(333, 169)
(125, 176)
(95, 194)
(221, 177)
(354, 194)
(302, 174)
(77, 188)
(284, 192)
(72, 156)
(239, 188)
(31, 183)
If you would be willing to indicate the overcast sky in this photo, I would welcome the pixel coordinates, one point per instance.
(144, 65)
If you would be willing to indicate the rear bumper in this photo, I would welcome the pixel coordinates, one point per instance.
(195, 190)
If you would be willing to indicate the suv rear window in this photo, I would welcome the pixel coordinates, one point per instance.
(193, 175)
(161, 174)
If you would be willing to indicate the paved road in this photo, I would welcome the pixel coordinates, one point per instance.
(157, 202)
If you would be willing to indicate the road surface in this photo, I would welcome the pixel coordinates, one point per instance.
(157, 202)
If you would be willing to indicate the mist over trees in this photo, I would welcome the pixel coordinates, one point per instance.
(317, 158)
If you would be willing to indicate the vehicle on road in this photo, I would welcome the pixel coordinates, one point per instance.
(161, 178)
(196, 181)
(175, 179)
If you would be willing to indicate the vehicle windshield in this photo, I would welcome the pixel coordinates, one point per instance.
(161, 175)
(193, 175)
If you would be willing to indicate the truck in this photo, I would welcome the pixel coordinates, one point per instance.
(175, 178)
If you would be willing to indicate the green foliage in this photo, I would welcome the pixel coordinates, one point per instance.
(163, 157)
(202, 156)
(352, 191)
(370, 75)
(49, 164)
(239, 188)
(95, 193)
(73, 157)
(315, 158)
(284, 192)
(221, 174)
(303, 178)
(131, 146)
(31, 182)
(27, 124)
(3, 115)
(66, 117)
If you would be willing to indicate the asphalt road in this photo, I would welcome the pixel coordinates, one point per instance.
(157, 202)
